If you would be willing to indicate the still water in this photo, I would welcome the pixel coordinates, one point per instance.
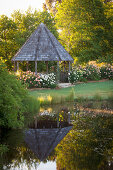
(88, 145)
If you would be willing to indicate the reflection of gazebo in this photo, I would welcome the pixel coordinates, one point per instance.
(43, 141)
(42, 46)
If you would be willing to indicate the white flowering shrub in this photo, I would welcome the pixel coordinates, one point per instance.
(89, 72)
(48, 80)
(73, 76)
(39, 80)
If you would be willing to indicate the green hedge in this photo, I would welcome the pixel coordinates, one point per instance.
(15, 102)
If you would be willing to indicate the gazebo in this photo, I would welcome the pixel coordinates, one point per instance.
(42, 46)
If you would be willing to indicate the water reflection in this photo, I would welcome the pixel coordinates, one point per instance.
(43, 141)
(88, 146)
(20, 157)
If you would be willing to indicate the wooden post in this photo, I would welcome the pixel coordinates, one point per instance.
(47, 67)
(17, 66)
(14, 66)
(27, 65)
(35, 67)
(58, 72)
(64, 67)
(69, 67)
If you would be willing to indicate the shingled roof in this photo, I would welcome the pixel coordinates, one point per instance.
(42, 46)
(43, 141)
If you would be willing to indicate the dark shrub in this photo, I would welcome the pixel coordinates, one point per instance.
(13, 100)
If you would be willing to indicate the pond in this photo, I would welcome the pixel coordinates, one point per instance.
(88, 145)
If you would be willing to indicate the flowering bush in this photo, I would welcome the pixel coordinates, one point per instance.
(73, 76)
(48, 80)
(91, 72)
(81, 74)
(39, 80)
(106, 72)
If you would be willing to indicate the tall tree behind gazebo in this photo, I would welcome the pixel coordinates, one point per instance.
(42, 46)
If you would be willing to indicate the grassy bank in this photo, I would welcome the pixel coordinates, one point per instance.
(85, 90)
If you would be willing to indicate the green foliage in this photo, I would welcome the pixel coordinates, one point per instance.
(56, 98)
(32, 108)
(97, 97)
(13, 100)
(8, 39)
(71, 96)
(88, 145)
(91, 72)
(85, 30)
(51, 5)
(3, 149)
(106, 72)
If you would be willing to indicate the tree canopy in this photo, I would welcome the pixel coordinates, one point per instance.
(50, 5)
(86, 30)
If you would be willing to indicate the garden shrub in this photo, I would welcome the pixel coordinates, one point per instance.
(3, 149)
(81, 73)
(39, 80)
(91, 72)
(48, 80)
(106, 72)
(73, 76)
(13, 97)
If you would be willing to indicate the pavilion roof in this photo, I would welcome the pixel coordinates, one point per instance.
(42, 46)
(43, 141)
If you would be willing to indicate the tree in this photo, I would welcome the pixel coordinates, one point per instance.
(108, 8)
(50, 5)
(29, 21)
(85, 30)
(8, 44)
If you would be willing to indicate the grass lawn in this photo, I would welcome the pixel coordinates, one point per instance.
(104, 89)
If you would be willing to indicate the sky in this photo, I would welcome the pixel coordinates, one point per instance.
(8, 6)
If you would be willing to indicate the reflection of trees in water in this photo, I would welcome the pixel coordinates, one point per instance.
(84, 104)
(18, 155)
(89, 145)
(25, 158)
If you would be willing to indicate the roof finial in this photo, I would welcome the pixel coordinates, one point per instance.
(42, 24)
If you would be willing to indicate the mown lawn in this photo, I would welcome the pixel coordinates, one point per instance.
(104, 89)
